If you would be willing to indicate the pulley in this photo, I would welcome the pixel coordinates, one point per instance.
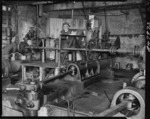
(136, 106)
(22, 48)
(138, 80)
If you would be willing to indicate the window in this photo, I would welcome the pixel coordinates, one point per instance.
(4, 8)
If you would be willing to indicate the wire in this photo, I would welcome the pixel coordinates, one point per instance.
(107, 96)
(84, 10)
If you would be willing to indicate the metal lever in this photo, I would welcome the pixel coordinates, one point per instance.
(7, 89)
(56, 77)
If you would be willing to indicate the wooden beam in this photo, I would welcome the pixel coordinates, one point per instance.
(18, 2)
(88, 5)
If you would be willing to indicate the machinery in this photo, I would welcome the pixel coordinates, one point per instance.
(55, 88)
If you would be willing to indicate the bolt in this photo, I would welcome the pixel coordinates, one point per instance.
(22, 87)
(30, 104)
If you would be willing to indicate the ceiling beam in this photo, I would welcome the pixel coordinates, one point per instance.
(88, 5)
(117, 7)
(26, 2)
(17, 2)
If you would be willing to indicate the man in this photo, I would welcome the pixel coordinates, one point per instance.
(93, 36)
(66, 28)
(65, 40)
(6, 54)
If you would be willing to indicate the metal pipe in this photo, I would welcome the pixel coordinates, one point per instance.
(99, 50)
(56, 77)
(114, 110)
(134, 51)
(91, 77)
(84, 49)
(59, 52)
(17, 21)
(31, 47)
(43, 51)
(106, 23)
(36, 21)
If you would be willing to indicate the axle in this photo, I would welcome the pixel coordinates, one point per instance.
(135, 51)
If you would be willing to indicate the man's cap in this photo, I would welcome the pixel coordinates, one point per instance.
(66, 23)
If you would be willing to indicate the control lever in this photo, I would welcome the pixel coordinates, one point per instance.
(7, 89)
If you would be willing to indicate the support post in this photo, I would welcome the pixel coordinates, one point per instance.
(59, 52)
(43, 51)
(42, 73)
(23, 73)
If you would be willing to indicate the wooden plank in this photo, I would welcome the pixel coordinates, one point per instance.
(113, 110)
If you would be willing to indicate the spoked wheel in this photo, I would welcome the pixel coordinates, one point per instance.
(136, 107)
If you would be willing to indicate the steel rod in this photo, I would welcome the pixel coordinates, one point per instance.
(114, 110)
(82, 49)
(134, 51)
(56, 77)
(59, 51)
(43, 51)
(31, 47)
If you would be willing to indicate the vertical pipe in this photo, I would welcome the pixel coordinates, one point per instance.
(106, 25)
(74, 52)
(43, 51)
(72, 18)
(7, 29)
(45, 99)
(59, 52)
(23, 73)
(10, 25)
(72, 14)
(36, 21)
(41, 73)
(40, 10)
(17, 21)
